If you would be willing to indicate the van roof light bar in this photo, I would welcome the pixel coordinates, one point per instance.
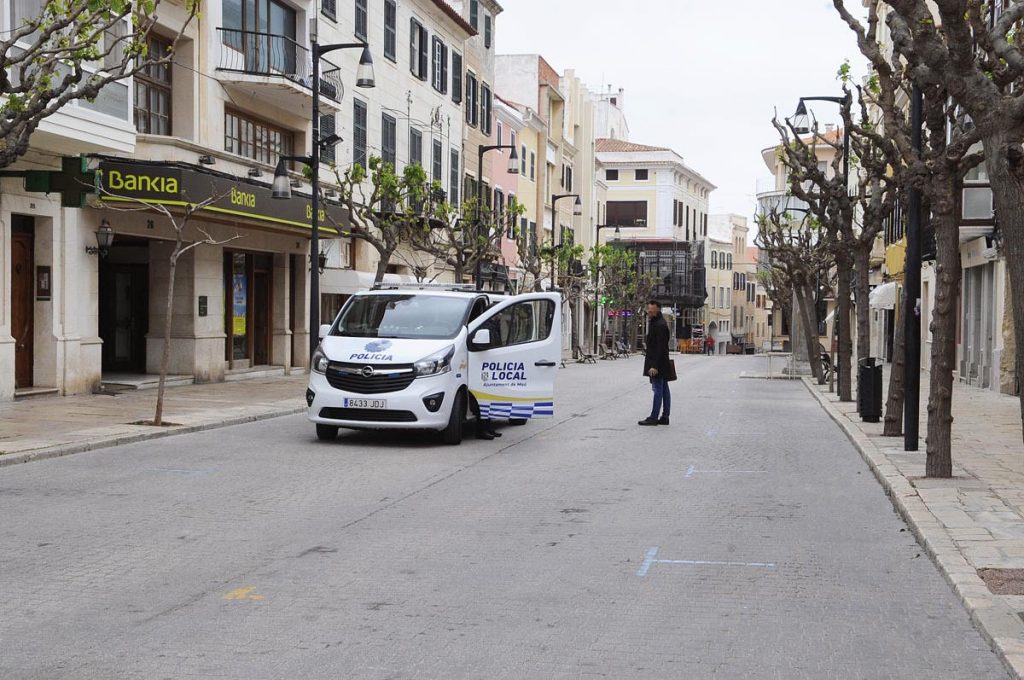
(455, 287)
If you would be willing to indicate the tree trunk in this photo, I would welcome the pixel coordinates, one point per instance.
(805, 304)
(862, 294)
(939, 462)
(893, 426)
(842, 317)
(1007, 178)
(382, 267)
(165, 354)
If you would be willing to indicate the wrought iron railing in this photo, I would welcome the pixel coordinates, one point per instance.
(269, 54)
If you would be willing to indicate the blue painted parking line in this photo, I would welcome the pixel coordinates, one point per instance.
(652, 558)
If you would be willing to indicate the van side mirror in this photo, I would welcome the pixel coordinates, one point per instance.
(325, 329)
(481, 338)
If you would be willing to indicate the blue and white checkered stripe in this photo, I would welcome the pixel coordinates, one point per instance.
(505, 410)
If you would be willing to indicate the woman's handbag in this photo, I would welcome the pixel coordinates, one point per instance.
(671, 370)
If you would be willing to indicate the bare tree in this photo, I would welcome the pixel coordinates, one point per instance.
(795, 256)
(179, 223)
(948, 151)
(830, 203)
(971, 51)
(70, 51)
(878, 183)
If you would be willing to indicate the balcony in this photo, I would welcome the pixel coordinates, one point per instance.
(780, 201)
(276, 69)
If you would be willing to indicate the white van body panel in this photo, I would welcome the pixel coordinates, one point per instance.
(500, 396)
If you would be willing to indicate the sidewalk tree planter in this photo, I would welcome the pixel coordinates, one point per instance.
(51, 53)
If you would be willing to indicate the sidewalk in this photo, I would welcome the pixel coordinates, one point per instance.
(972, 522)
(41, 428)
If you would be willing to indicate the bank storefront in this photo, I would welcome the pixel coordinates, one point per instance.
(240, 303)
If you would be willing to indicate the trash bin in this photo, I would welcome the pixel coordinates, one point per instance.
(869, 390)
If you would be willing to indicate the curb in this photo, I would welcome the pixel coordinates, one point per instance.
(158, 433)
(999, 625)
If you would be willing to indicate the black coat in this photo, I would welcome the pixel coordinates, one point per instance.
(657, 346)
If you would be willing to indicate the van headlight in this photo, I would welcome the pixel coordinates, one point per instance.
(319, 362)
(435, 364)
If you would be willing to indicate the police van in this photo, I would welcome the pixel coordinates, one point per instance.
(434, 357)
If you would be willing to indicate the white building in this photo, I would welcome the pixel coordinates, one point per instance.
(652, 192)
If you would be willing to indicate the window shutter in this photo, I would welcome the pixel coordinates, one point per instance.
(444, 69)
(423, 53)
(456, 77)
(414, 53)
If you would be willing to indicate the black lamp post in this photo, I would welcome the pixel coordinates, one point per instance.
(513, 169)
(801, 124)
(577, 210)
(282, 188)
(912, 284)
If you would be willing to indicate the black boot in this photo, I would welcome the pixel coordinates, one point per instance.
(648, 421)
(663, 420)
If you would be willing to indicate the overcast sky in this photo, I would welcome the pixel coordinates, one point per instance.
(701, 76)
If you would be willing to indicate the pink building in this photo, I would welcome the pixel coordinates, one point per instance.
(507, 128)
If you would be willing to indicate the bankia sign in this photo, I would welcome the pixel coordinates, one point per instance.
(179, 186)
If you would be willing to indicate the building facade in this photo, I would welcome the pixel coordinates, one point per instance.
(212, 126)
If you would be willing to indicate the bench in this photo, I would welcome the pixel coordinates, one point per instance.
(584, 358)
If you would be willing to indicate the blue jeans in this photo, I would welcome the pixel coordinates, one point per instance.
(662, 398)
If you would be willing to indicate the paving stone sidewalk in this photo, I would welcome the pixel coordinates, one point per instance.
(974, 520)
(41, 428)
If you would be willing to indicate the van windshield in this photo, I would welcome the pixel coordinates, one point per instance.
(402, 316)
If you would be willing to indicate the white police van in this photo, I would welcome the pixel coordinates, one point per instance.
(432, 357)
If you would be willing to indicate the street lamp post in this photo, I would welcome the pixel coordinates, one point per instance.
(513, 169)
(577, 210)
(282, 185)
(912, 283)
(801, 126)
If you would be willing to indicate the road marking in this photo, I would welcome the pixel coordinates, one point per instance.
(648, 561)
(689, 473)
(713, 432)
(246, 593)
(187, 473)
(652, 558)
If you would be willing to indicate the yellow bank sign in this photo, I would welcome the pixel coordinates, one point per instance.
(125, 181)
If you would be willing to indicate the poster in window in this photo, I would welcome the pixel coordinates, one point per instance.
(238, 305)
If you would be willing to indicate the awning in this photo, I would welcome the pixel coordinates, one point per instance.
(349, 281)
(884, 296)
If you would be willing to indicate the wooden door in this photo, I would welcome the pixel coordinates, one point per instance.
(22, 266)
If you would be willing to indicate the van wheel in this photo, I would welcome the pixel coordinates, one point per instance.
(326, 433)
(517, 421)
(452, 434)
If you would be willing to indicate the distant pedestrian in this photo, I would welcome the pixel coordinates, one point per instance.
(657, 365)
(709, 345)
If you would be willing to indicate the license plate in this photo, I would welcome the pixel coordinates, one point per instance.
(366, 403)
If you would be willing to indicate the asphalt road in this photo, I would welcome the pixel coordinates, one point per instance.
(746, 540)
